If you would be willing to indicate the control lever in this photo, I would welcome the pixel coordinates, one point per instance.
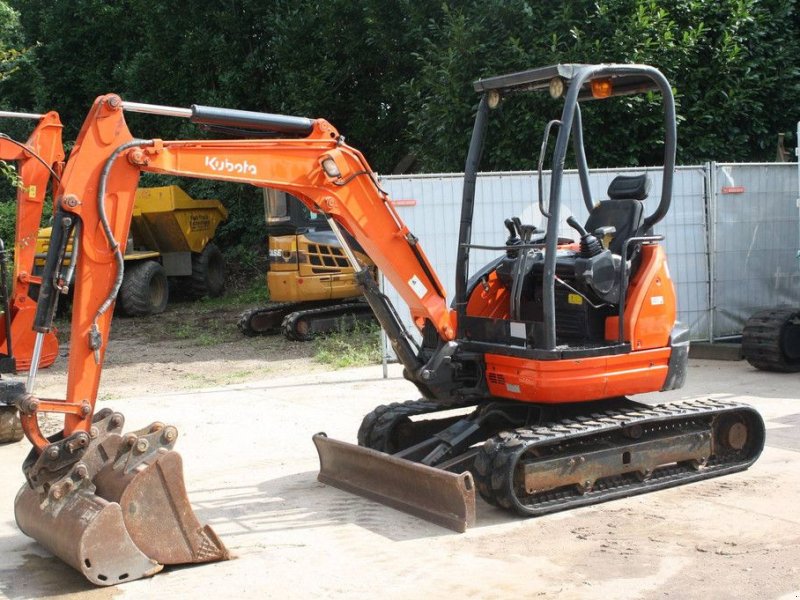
(513, 237)
(577, 226)
(512, 228)
(525, 231)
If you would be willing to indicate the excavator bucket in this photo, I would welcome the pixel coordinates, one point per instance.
(88, 533)
(444, 498)
(120, 513)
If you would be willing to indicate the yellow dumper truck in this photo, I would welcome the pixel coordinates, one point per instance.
(169, 248)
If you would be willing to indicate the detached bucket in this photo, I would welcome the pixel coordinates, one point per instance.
(157, 513)
(88, 534)
(444, 498)
(121, 512)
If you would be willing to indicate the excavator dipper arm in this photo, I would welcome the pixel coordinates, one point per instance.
(98, 189)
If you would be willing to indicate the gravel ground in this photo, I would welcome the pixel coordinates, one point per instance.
(246, 410)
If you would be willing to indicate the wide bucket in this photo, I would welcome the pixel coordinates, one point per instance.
(122, 512)
(444, 498)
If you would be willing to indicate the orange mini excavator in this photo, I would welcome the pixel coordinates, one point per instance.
(38, 160)
(539, 350)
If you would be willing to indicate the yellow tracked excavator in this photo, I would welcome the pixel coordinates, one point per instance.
(312, 285)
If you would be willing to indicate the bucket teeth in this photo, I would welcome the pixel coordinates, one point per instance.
(121, 511)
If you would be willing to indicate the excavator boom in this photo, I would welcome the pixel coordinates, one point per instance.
(108, 491)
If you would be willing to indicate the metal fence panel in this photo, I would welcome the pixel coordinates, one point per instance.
(755, 242)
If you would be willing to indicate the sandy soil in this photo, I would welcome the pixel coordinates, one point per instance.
(246, 409)
(187, 347)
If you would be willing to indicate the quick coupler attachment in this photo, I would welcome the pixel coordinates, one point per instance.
(116, 508)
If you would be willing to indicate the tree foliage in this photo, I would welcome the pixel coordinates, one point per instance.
(395, 76)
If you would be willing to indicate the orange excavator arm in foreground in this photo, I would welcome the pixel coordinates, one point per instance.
(97, 196)
(39, 160)
(90, 468)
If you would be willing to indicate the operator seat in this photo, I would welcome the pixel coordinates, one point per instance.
(623, 210)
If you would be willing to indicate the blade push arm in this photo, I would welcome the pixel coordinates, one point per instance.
(98, 189)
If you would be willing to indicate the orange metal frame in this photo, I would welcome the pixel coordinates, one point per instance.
(650, 313)
(44, 141)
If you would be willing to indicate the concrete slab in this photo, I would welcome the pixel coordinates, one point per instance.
(251, 474)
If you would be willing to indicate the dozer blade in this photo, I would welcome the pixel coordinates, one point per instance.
(88, 534)
(444, 498)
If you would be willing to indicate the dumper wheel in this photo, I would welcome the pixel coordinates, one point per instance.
(208, 273)
(144, 290)
(10, 427)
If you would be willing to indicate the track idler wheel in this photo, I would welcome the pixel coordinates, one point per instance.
(120, 512)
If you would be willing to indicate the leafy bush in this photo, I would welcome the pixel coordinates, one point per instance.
(8, 223)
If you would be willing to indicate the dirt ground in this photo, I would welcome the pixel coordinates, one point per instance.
(246, 410)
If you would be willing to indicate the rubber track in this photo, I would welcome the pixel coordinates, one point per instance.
(281, 309)
(761, 340)
(10, 426)
(496, 462)
(358, 310)
(377, 426)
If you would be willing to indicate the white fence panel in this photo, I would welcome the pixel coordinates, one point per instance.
(755, 242)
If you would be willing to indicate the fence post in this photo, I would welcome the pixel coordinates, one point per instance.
(711, 242)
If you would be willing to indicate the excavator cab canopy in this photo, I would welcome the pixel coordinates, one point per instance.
(557, 78)
(573, 83)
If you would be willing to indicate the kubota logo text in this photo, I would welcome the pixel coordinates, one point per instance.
(226, 166)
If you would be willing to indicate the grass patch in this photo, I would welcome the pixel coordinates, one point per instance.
(254, 294)
(208, 334)
(355, 348)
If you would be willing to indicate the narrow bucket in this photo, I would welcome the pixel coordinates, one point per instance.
(157, 514)
(441, 497)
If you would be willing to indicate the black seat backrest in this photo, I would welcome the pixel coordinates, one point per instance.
(624, 210)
